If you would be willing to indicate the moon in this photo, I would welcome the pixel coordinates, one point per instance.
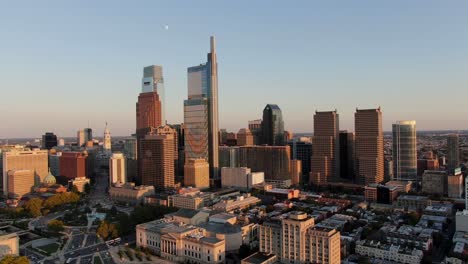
(166, 27)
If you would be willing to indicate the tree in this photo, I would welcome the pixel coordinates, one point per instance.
(87, 188)
(14, 260)
(55, 225)
(106, 230)
(75, 189)
(34, 207)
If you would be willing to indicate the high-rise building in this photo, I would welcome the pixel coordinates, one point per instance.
(180, 129)
(20, 183)
(435, 182)
(88, 134)
(130, 148)
(347, 155)
(157, 160)
(294, 237)
(323, 245)
(274, 161)
(117, 169)
(49, 140)
(202, 108)
(80, 137)
(255, 126)
(34, 160)
(153, 82)
(302, 150)
(295, 171)
(107, 144)
(369, 146)
(197, 173)
(325, 159)
(455, 184)
(73, 164)
(405, 165)
(245, 137)
(287, 136)
(228, 157)
(54, 162)
(453, 151)
(272, 125)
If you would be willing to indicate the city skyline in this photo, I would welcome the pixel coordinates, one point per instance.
(406, 63)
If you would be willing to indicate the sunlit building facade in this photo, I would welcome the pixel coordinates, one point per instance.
(404, 151)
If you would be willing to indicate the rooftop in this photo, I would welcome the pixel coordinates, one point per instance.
(258, 258)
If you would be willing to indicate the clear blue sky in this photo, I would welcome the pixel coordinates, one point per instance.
(63, 63)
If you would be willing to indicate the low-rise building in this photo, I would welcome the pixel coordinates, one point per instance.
(178, 242)
(129, 193)
(413, 202)
(239, 203)
(282, 194)
(388, 252)
(260, 258)
(434, 182)
(189, 198)
(189, 216)
(9, 244)
(461, 221)
(80, 183)
(378, 193)
(241, 178)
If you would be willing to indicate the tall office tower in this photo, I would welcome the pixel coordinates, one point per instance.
(388, 169)
(169, 130)
(346, 155)
(49, 140)
(274, 161)
(453, 152)
(245, 137)
(287, 136)
(272, 125)
(323, 245)
(228, 157)
(180, 128)
(34, 160)
(294, 237)
(153, 82)
(369, 146)
(203, 100)
(107, 144)
(54, 163)
(223, 136)
(80, 137)
(302, 150)
(197, 173)
(405, 156)
(88, 134)
(295, 170)
(325, 155)
(117, 169)
(73, 165)
(157, 161)
(255, 126)
(130, 148)
(19, 183)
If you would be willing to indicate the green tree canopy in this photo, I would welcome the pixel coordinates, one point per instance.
(34, 207)
(14, 260)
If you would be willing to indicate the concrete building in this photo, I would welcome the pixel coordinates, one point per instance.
(201, 112)
(129, 193)
(117, 169)
(80, 183)
(271, 237)
(197, 173)
(302, 150)
(73, 164)
(260, 258)
(49, 140)
(245, 137)
(80, 138)
(241, 178)
(274, 161)
(413, 202)
(189, 216)
(294, 233)
(455, 184)
(20, 182)
(434, 182)
(383, 194)
(323, 245)
(404, 151)
(157, 161)
(369, 146)
(453, 151)
(255, 126)
(33, 160)
(192, 200)
(325, 155)
(295, 171)
(272, 126)
(239, 203)
(180, 243)
(9, 244)
(388, 252)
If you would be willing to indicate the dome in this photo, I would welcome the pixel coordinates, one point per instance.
(50, 179)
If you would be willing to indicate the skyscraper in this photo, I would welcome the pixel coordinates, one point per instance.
(117, 169)
(302, 150)
(347, 155)
(197, 173)
(88, 134)
(405, 158)
(245, 137)
(153, 82)
(73, 165)
(274, 161)
(107, 144)
(255, 127)
(325, 159)
(369, 145)
(49, 140)
(201, 112)
(272, 125)
(453, 152)
(157, 160)
(80, 137)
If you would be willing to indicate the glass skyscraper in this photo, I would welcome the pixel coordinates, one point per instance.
(272, 125)
(404, 151)
(201, 112)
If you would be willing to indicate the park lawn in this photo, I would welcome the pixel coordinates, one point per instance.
(50, 248)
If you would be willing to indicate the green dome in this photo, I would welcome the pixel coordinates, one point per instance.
(50, 179)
